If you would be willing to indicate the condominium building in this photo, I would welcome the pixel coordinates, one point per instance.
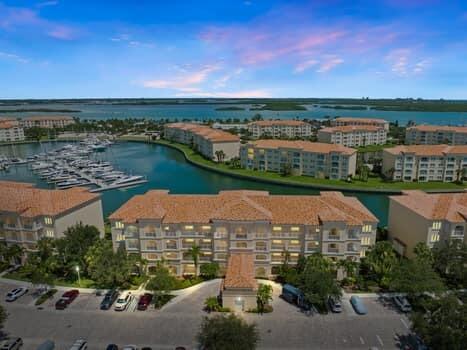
(207, 141)
(425, 163)
(435, 135)
(315, 159)
(353, 136)
(10, 130)
(159, 225)
(432, 219)
(280, 128)
(28, 213)
(48, 122)
(341, 121)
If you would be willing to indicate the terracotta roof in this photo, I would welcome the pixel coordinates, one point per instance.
(279, 123)
(360, 120)
(7, 125)
(427, 150)
(307, 146)
(351, 128)
(240, 271)
(244, 206)
(435, 206)
(28, 201)
(437, 128)
(48, 117)
(214, 135)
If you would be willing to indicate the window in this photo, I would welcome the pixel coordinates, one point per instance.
(277, 228)
(366, 240)
(206, 227)
(241, 245)
(50, 233)
(434, 237)
(436, 225)
(48, 221)
(118, 224)
(120, 237)
(366, 228)
(188, 227)
(295, 229)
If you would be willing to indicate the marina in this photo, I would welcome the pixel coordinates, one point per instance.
(75, 165)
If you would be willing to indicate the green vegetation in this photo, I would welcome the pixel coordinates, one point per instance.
(209, 270)
(46, 296)
(232, 108)
(263, 297)
(372, 183)
(227, 333)
(41, 110)
(3, 316)
(374, 148)
(351, 108)
(280, 106)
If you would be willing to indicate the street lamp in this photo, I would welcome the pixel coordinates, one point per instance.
(79, 278)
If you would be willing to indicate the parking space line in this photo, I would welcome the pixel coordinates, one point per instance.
(405, 323)
(362, 341)
(379, 340)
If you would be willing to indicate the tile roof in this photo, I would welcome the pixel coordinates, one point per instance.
(214, 135)
(48, 117)
(281, 122)
(435, 206)
(360, 120)
(7, 125)
(244, 206)
(427, 150)
(28, 201)
(351, 128)
(240, 271)
(307, 146)
(437, 128)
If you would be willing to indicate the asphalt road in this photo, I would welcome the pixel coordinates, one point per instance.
(178, 322)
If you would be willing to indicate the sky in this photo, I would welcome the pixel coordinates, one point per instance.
(257, 48)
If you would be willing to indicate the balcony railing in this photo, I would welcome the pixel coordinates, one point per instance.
(277, 247)
(333, 250)
(220, 248)
(171, 246)
(261, 249)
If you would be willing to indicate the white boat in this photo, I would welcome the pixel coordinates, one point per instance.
(128, 179)
(40, 165)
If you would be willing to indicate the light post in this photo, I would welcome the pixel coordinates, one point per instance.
(79, 278)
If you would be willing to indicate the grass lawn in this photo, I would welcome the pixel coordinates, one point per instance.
(371, 184)
(374, 148)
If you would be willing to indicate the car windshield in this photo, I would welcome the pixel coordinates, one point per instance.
(121, 300)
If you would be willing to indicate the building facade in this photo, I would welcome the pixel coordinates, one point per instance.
(209, 142)
(425, 163)
(27, 213)
(280, 128)
(435, 135)
(353, 136)
(303, 157)
(381, 123)
(158, 225)
(432, 219)
(10, 130)
(48, 122)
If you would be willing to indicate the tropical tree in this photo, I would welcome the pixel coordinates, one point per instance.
(210, 270)
(3, 316)
(227, 333)
(380, 262)
(443, 325)
(415, 277)
(235, 163)
(263, 296)
(220, 155)
(349, 267)
(195, 252)
(423, 253)
(461, 174)
(211, 304)
(14, 253)
(286, 169)
(162, 282)
(450, 260)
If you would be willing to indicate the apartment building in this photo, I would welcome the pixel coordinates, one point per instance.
(48, 122)
(10, 130)
(206, 140)
(341, 121)
(425, 163)
(28, 213)
(315, 159)
(280, 128)
(353, 136)
(433, 219)
(435, 135)
(159, 225)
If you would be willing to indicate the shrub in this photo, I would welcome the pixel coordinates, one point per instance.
(161, 300)
(212, 304)
(44, 297)
(267, 309)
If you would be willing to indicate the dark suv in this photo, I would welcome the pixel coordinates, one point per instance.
(109, 299)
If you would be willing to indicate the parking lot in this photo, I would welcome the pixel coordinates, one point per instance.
(178, 322)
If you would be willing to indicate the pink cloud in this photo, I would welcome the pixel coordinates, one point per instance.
(406, 62)
(302, 66)
(229, 94)
(329, 63)
(62, 32)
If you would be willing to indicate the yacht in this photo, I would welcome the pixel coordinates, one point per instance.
(127, 179)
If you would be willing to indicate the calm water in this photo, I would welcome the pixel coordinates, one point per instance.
(203, 112)
(166, 168)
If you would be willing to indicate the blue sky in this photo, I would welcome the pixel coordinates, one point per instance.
(263, 48)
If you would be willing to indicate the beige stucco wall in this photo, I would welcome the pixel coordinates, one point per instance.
(248, 298)
(231, 149)
(90, 214)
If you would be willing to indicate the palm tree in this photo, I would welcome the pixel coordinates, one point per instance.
(220, 155)
(263, 296)
(195, 252)
(14, 252)
(461, 174)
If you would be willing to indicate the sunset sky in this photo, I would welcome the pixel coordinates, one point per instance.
(268, 48)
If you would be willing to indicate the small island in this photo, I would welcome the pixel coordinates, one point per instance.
(280, 106)
(230, 108)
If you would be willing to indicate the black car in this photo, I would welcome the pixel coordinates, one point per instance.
(112, 347)
(109, 299)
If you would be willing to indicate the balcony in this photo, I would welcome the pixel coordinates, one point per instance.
(171, 247)
(333, 250)
(334, 237)
(220, 248)
(285, 234)
(294, 248)
(170, 234)
(280, 247)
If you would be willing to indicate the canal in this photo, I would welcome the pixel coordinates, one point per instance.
(166, 168)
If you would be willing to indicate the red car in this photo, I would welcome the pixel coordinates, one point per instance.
(66, 299)
(144, 301)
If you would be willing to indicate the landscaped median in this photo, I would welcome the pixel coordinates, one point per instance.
(372, 185)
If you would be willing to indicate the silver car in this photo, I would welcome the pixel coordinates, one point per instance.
(402, 303)
(12, 344)
(16, 293)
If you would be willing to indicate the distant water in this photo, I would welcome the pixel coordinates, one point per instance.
(166, 168)
(204, 112)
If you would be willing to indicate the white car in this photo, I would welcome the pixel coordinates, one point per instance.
(130, 347)
(122, 302)
(16, 293)
(79, 344)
